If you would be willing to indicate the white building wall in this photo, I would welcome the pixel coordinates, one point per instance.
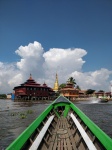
(8, 96)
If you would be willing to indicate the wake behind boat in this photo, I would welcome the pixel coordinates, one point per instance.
(62, 126)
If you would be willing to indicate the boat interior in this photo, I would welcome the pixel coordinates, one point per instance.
(57, 132)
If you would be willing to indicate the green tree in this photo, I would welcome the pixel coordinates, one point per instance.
(3, 96)
(90, 91)
(61, 86)
(72, 80)
(77, 87)
(101, 91)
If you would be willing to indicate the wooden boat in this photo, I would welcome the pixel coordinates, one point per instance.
(62, 126)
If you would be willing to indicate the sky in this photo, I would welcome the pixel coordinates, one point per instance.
(72, 38)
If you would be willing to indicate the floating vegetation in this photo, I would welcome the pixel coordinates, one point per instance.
(23, 116)
(29, 111)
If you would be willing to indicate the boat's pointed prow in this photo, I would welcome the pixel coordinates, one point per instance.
(61, 99)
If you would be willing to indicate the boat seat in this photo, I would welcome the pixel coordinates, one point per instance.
(84, 135)
(39, 138)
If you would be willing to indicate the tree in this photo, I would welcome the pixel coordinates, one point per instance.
(72, 80)
(77, 87)
(101, 91)
(90, 91)
(3, 96)
(61, 86)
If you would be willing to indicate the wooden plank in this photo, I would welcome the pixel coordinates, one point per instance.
(65, 146)
(68, 142)
(86, 138)
(54, 147)
(65, 141)
(39, 138)
(62, 143)
(66, 135)
(70, 134)
(53, 140)
(58, 145)
(63, 138)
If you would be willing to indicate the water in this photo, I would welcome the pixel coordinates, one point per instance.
(12, 124)
(99, 113)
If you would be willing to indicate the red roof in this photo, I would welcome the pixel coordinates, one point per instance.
(21, 92)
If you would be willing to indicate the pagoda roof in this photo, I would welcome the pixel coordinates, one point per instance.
(66, 88)
(30, 82)
(44, 85)
(69, 85)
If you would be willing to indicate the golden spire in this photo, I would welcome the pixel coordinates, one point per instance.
(56, 85)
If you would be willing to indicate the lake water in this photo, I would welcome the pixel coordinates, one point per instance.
(12, 124)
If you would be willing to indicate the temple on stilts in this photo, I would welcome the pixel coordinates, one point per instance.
(31, 90)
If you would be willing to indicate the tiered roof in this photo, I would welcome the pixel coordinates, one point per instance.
(69, 86)
(30, 82)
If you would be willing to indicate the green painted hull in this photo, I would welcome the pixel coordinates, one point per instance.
(105, 140)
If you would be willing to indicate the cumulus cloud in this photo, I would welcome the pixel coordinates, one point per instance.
(96, 80)
(63, 61)
(44, 64)
(68, 59)
(7, 71)
(31, 58)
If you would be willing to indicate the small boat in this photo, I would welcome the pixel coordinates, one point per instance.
(62, 126)
(102, 100)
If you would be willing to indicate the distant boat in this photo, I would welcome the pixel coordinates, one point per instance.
(102, 100)
(62, 126)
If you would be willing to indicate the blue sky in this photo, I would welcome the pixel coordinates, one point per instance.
(63, 24)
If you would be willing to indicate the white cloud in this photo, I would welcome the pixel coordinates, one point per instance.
(31, 60)
(63, 61)
(7, 71)
(32, 50)
(16, 79)
(67, 59)
(44, 65)
(93, 80)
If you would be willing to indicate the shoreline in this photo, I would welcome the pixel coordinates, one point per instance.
(49, 100)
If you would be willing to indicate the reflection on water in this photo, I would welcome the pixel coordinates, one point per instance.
(12, 124)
